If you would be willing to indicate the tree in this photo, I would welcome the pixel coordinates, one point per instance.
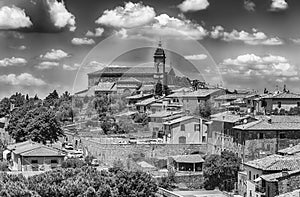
(73, 163)
(205, 109)
(52, 99)
(4, 107)
(221, 171)
(101, 104)
(33, 122)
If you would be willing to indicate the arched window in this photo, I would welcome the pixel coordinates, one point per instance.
(182, 140)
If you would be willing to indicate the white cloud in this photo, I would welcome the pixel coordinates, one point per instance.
(47, 65)
(251, 64)
(193, 5)
(60, 16)
(295, 40)
(278, 5)
(13, 18)
(167, 27)
(130, 16)
(14, 61)
(82, 41)
(254, 38)
(249, 5)
(24, 79)
(71, 68)
(22, 47)
(98, 32)
(196, 57)
(54, 55)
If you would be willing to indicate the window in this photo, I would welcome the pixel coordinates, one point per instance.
(260, 136)
(197, 127)
(298, 104)
(35, 161)
(279, 104)
(182, 140)
(282, 135)
(203, 139)
(182, 127)
(249, 175)
(54, 161)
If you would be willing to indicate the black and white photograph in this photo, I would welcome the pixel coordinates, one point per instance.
(149, 98)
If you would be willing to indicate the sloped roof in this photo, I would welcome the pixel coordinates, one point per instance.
(105, 86)
(139, 96)
(228, 117)
(194, 94)
(129, 79)
(286, 95)
(290, 150)
(144, 164)
(275, 123)
(29, 148)
(276, 176)
(275, 163)
(164, 113)
(230, 96)
(178, 120)
(125, 69)
(146, 101)
(188, 158)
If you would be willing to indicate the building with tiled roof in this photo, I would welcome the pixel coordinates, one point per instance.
(291, 150)
(191, 100)
(272, 175)
(280, 101)
(32, 156)
(191, 163)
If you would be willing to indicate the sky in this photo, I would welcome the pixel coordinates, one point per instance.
(239, 44)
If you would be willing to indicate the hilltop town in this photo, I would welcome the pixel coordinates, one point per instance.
(186, 136)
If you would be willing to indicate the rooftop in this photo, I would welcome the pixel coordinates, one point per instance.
(162, 114)
(275, 163)
(138, 96)
(286, 95)
(178, 120)
(290, 150)
(194, 94)
(230, 96)
(228, 117)
(188, 158)
(146, 101)
(105, 86)
(125, 69)
(273, 123)
(276, 176)
(29, 148)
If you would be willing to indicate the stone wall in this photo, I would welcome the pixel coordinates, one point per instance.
(107, 153)
(289, 184)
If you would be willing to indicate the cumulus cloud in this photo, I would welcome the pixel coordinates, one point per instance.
(265, 66)
(295, 40)
(82, 41)
(253, 38)
(196, 57)
(279, 5)
(71, 68)
(60, 16)
(98, 32)
(13, 61)
(130, 16)
(167, 27)
(47, 65)
(24, 79)
(193, 5)
(54, 55)
(249, 5)
(13, 18)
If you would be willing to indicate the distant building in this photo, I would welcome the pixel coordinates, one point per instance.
(185, 130)
(187, 163)
(263, 173)
(32, 156)
(267, 135)
(156, 120)
(191, 101)
(283, 100)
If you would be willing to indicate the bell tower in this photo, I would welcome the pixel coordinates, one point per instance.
(160, 66)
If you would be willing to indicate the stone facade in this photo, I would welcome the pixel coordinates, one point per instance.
(108, 153)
